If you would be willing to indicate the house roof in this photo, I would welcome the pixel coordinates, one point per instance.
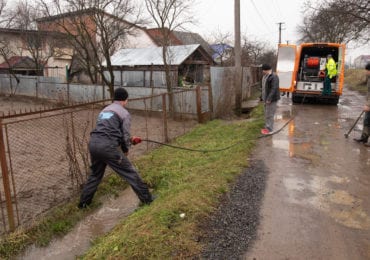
(219, 49)
(156, 35)
(152, 55)
(193, 38)
(363, 57)
(179, 38)
(18, 62)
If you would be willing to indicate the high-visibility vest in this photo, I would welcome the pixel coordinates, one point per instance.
(331, 68)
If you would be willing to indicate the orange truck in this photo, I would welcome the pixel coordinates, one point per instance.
(301, 71)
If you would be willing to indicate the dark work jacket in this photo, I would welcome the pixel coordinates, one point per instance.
(272, 92)
(113, 127)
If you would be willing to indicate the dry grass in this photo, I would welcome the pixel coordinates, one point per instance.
(355, 79)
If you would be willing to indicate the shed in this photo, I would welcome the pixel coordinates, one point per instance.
(145, 67)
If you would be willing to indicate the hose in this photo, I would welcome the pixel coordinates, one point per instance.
(215, 150)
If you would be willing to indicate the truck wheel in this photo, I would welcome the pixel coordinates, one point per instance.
(296, 99)
(335, 101)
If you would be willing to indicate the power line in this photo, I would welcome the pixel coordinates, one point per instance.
(278, 8)
(259, 14)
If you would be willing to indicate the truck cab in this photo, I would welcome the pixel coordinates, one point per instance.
(302, 71)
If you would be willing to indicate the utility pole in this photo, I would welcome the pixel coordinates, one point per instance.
(280, 31)
(238, 66)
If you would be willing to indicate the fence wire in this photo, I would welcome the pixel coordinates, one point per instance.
(47, 157)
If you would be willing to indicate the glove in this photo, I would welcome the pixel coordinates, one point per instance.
(135, 140)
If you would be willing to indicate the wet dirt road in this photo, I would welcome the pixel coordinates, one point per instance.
(317, 199)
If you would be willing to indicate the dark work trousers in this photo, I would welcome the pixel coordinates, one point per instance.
(327, 86)
(103, 154)
(366, 128)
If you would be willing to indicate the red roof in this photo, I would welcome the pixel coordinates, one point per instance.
(11, 62)
(156, 35)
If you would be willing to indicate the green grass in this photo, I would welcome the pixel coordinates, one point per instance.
(185, 182)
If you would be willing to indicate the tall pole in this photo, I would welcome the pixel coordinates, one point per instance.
(238, 62)
(280, 28)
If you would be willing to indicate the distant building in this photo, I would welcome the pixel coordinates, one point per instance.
(222, 53)
(361, 61)
(144, 67)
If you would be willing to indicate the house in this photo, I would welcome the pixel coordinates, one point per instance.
(22, 65)
(62, 55)
(221, 53)
(361, 61)
(145, 67)
(20, 47)
(136, 38)
(90, 21)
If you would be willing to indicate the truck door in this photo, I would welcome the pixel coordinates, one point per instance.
(285, 66)
(340, 68)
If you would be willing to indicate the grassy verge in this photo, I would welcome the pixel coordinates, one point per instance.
(188, 185)
(186, 182)
(355, 79)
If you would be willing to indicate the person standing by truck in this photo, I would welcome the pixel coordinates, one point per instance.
(331, 72)
(366, 128)
(270, 97)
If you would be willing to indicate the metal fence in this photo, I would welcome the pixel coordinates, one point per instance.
(44, 158)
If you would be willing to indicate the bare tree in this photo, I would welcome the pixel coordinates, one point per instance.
(252, 50)
(169, 15)
(94, 29)
(340, 21)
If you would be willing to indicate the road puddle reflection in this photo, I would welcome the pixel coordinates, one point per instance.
(338, 204)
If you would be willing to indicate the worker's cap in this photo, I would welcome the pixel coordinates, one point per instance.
(120, 94)
(266, 67)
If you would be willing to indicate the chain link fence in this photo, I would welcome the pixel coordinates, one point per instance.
(44, 157)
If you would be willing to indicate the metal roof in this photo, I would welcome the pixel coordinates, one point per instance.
(152, 55)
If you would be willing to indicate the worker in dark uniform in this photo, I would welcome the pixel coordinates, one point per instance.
(366, 128)
(109, 145)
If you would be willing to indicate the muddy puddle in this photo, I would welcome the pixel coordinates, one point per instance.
(78, 241)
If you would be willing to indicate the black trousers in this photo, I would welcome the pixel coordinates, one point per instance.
(103, 154)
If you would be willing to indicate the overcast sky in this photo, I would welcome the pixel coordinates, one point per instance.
(258, 20)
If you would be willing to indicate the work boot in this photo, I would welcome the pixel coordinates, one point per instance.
(362, 139)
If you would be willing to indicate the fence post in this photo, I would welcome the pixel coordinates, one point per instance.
(37, 87)
(68, 93)
(199, 104)
(164, 109)
(6, 183)
(210, 100)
